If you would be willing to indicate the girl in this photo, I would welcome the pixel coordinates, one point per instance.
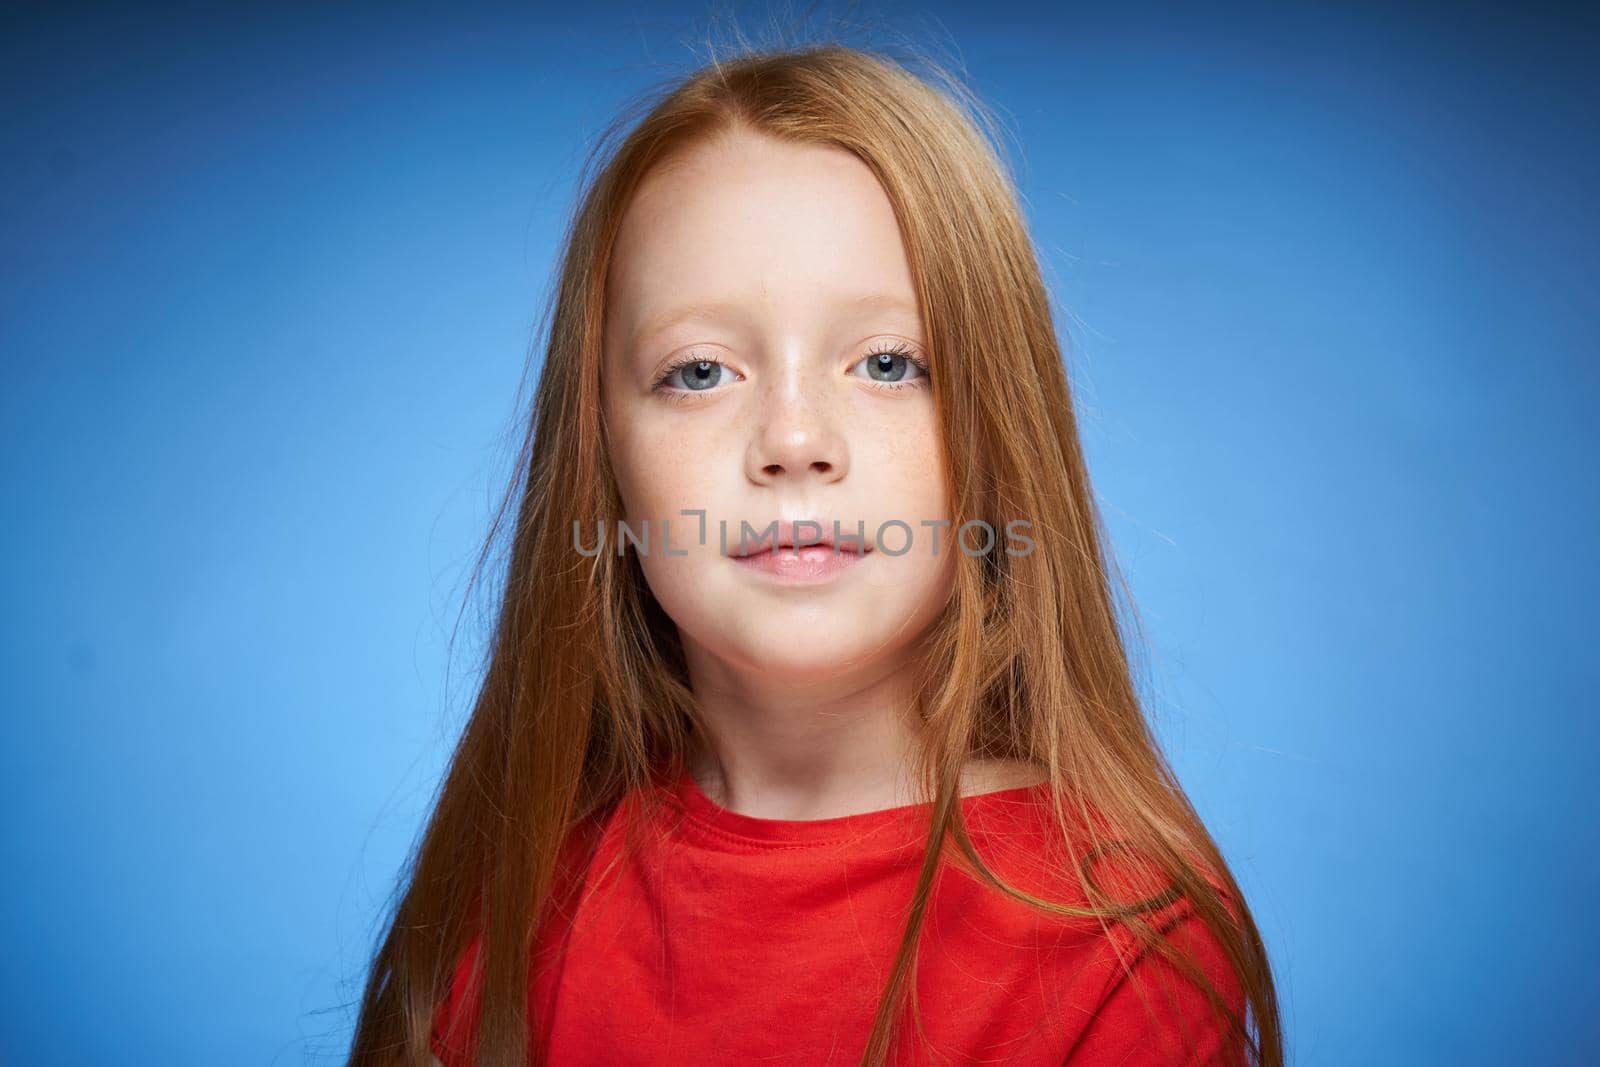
(808, 734)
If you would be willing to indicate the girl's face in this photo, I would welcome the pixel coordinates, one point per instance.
(753, 287)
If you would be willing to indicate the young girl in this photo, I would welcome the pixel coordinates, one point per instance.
(808, 734)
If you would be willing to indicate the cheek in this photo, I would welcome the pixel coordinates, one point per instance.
(661, 475)
(658, 463)
(902, 471)
(915, 570)
(664, 467)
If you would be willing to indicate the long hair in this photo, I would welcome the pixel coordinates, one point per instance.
(585, 692)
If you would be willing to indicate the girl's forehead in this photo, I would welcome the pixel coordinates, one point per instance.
(737, 210)
(886, 308)
(770, 239)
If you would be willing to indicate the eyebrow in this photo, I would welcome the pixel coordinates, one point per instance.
(714, 308)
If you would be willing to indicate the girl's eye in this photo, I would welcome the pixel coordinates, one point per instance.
(896, 365)
(691, 375)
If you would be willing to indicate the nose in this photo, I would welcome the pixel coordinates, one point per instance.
(797, 442)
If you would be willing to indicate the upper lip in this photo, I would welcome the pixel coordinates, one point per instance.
(814, 532)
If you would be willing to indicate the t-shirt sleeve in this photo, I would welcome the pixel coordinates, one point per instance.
(1152, 1015)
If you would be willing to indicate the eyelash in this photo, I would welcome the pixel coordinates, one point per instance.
(898, 348)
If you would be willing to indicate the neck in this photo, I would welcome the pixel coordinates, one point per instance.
(837, 746)
(779, 749)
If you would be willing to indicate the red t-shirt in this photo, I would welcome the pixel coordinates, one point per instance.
(735, 939)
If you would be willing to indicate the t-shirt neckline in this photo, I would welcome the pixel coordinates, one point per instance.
(698, 806)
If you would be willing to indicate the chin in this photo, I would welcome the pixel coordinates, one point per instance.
(789, 646)
(795, 637)
(801, 663)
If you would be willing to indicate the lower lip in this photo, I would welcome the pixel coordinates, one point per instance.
(804, 566)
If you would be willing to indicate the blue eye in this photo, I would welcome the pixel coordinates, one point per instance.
(698, 375)
(895, 365)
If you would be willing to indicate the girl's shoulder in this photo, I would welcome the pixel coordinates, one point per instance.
(1056, 843)
(1115, 974)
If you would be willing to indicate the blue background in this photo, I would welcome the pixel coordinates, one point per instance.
(267, 284)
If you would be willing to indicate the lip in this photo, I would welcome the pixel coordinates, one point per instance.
(817, 558)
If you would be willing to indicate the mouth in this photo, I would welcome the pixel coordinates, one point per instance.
(803, 556)
(804, 538)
